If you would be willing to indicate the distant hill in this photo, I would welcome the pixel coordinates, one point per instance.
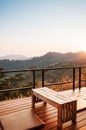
(14, 57)
(56, 58)
(50, 59)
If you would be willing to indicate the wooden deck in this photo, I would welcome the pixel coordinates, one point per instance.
(46, 112)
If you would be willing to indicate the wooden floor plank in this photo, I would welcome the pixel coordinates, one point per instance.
(83, 128)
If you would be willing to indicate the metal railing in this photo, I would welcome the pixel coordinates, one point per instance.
(43, 70)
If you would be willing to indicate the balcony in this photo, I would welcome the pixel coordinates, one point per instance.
(48, 113)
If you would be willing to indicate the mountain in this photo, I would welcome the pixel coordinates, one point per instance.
(57, 58)
(14, 57)
(50, 59)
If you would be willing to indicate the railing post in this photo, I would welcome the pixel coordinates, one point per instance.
(33, 78)
(42, 78)
(79, 78)
(73, 78)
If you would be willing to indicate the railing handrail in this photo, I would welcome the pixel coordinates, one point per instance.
(15, 89)
(39, 69)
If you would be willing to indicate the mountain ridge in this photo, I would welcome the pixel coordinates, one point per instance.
(51, 58)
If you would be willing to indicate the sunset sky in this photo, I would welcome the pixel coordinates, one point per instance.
(35, 27)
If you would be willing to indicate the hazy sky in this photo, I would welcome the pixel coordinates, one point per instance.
(35, 27)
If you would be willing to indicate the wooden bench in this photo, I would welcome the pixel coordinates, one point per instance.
(66, 108)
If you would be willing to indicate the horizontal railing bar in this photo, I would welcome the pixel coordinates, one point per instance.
(38, 69)
(14, 71)
(57, 83)
(15, 89)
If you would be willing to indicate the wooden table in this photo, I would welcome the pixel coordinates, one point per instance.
(66, 107)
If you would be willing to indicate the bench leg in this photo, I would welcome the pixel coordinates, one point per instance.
(59, 117)
(33, 100)
(74, 118)
(74, 112)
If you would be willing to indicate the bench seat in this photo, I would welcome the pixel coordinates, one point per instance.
(66, 107)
